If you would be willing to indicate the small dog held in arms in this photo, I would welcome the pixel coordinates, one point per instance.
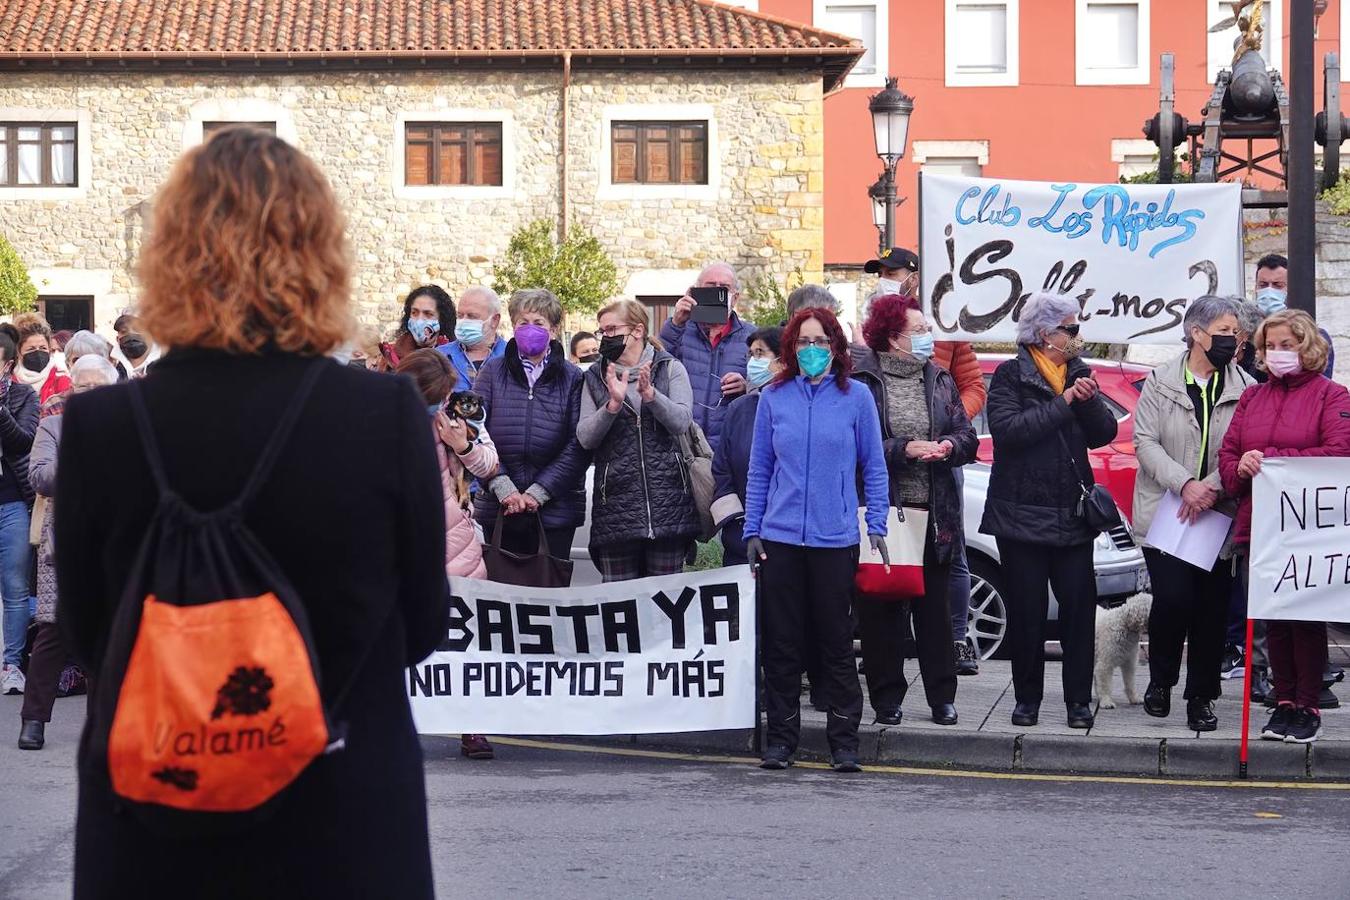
(1118, 634)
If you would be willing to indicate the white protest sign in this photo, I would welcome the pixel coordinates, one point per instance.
(674, 653)
(1300, 551)
(1132, 255)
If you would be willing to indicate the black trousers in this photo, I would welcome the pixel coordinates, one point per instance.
(800, 584)
(1029, 571)
(1190, 606)
(44, 674)
(884, 628)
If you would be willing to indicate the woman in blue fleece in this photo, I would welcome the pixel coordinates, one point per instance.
(812, 435)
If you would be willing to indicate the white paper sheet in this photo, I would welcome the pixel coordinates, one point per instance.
(1197, 544)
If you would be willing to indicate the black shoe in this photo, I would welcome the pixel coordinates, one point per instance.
(1333, 674)
(1158, 701)
(1080, 715)
(1304, 728)
(889, 716)
(31, 735)
(1278, 724)
(845, 761)
(966, 663)
(1328, 700)
(1232, 666)
(776, 758)
(1262, 691)
(1200, 715)
(1026, 714)
(944, 714)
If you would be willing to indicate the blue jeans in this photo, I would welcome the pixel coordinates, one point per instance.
(15, 554)
(958, 584)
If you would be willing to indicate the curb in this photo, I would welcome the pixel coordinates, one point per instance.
(1033, 753)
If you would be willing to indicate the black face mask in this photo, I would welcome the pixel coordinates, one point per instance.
(357, 364)
(611, 346)
(133, 346)
(36, 360)
(1222, 349)
(589, 357)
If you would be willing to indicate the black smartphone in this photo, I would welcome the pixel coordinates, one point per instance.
(713, 305)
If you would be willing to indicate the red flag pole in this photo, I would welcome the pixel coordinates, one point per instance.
(1246, 702)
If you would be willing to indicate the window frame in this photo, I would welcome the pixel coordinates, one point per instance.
(881, 52)
(922, 151)
(1008, 78)
(9, 176)
(1140, 73)
(238, 110)
(1219, 47)
(607, 190)
(27, 117)
(643, 139)
(437, 141)
(1124, 148)
(398, 154)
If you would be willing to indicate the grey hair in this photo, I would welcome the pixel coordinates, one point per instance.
(96, 367)
(735, 279)
(1203, 312)
(1042, 314)
(1250, 316)
(86, 343)
(536, 300)
(494, 302)
(812, 296)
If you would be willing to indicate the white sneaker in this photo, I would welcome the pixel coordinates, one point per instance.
(11, 680)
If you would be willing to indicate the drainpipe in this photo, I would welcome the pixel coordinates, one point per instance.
(566, 90)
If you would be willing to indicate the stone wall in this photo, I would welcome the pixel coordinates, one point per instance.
(763, 210)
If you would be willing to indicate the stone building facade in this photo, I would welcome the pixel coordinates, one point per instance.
(761, 208)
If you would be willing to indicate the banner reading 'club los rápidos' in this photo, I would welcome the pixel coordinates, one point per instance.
(1132, 255)
(1300, 549)
(665, 654)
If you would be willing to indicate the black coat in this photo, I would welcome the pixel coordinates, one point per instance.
(18, 427)
(535, 432)
(1034, 485)
(947, 422)
(354, 516)
(642, 489)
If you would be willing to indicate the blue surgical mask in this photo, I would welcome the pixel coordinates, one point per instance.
(422, 329)
(921, 345)
(813, 361)
(469, 332)
(757, 370)
(1272, 300)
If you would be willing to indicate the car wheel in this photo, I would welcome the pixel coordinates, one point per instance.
(988, 624)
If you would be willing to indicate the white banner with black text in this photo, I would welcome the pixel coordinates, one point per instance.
(1132, 255)
(1300, 551)
(667, 654)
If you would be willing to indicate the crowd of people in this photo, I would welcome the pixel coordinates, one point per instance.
(495, 424)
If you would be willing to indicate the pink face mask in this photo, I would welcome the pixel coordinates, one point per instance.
(1283, 363)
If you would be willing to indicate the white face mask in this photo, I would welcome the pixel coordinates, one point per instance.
(888, 286)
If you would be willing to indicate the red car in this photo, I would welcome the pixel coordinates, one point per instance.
(1113, 466)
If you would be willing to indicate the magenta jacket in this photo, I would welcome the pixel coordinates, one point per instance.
(1306, 414)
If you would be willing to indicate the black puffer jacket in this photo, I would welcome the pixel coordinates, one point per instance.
(1034, 486)
(535, 432)
(948, 422)
(18, 426)
(642, 489)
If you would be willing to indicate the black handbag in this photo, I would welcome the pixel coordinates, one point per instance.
(1095, 504)
(537, 569)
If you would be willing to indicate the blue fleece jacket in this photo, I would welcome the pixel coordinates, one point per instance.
(467, 375)
(807, 449)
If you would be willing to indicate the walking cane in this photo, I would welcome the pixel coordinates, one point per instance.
(1246, 703)
(758, 739)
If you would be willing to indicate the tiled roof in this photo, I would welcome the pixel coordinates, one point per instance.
(466, 29)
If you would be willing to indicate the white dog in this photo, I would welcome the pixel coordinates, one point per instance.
(1118, 633)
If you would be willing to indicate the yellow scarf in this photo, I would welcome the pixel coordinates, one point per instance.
(1054, 375)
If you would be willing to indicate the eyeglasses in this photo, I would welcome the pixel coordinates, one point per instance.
(762, 354)
(821, 342)
(612, 331)
(1070, 330)
(916, 332)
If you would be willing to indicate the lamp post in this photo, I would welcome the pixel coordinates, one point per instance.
(877, 194)
(890, 111)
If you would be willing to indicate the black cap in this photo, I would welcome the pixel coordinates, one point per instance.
(895, 258)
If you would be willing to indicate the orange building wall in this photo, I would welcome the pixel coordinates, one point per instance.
(1045, 128)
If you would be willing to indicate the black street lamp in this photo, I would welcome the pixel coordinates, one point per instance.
(890, 111)
(877, 194)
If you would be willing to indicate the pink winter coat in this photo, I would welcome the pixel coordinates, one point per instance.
(463, 552)
(1306, 414)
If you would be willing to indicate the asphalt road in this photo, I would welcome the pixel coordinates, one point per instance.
(558, 823)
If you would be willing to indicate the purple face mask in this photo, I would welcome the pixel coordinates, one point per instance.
(531, 340)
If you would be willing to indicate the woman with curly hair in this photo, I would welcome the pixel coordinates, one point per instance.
(428, 320)
(246, 283)
(815, 429)
(41, 365)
